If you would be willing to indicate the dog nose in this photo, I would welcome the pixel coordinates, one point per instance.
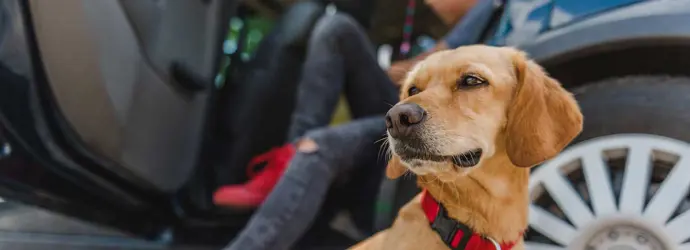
(402, 118)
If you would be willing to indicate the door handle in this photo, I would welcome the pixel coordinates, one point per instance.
(187, 79)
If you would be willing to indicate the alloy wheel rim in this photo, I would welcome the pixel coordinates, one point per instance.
(612, 200)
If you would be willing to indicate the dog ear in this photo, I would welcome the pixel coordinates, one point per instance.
(395, 168)
(543, 117)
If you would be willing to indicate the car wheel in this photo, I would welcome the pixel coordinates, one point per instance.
(623, 183)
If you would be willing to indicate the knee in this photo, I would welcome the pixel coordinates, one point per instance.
(311, 141)
(306, 145)
(311, 158)
(359, 134)
(333, 27)
(314, 140)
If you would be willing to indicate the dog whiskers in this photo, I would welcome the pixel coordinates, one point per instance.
(384, 150)
(408, 174)
(382, 139)
(443, 188)
(457, 192)
(422, 181)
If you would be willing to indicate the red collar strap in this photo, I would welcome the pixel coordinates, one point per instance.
(456, 235)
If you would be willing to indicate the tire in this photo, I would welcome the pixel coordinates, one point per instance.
(655, 105)
(628, 113)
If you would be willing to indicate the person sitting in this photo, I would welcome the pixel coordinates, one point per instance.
(291, 188)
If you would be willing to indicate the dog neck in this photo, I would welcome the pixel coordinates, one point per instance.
(491, 199)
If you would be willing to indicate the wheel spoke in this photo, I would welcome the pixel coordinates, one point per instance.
(540, 246)
(636, 179)
(672, 191)
(598, 183)
(551, 226)
(678, 228)
(568, 199)
(642, 155)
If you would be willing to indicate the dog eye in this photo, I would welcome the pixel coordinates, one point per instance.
(412, 91)
(471, 81)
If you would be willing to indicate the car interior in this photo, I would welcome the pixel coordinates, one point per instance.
(137, 112)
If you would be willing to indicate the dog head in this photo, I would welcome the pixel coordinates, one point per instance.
(463, 106)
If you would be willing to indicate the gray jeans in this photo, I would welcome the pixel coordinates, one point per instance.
(340, 58)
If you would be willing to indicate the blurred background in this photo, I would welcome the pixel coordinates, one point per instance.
(120, 118)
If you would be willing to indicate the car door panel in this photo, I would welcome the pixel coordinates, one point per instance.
(98, 130)
(110, 71)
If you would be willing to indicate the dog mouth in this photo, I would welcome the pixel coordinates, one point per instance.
(465, 160)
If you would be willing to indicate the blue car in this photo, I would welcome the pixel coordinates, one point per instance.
(109, 113)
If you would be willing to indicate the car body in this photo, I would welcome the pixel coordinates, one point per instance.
(610, 54)
(107, 107)
(625, 63)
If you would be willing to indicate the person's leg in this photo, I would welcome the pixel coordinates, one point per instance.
(339, 54)
(292, 205)
(368, 88)
(245, 130)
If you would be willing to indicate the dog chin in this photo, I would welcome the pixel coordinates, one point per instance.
(444, 171)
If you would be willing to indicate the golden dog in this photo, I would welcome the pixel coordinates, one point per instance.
(470, 124)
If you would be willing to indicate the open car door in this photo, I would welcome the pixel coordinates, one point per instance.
(104, 105)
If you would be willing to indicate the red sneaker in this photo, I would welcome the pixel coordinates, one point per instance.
(252, 193)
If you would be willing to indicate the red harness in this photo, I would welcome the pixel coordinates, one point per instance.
(456, 235)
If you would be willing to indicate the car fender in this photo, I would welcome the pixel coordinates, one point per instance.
(652, 20)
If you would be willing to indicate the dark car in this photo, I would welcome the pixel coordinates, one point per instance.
(114, 112)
